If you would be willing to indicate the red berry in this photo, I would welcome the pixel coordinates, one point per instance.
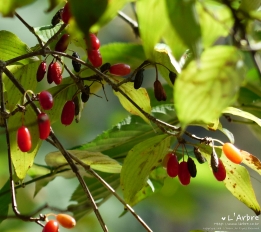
(24, 139)
(173, 166)
(54, 73)
(93, 43)
(51, 226)
(184, 175)
(95, 58)
(120, 69)
(43, 125)
(62, 43)
(66, 15)
(66, 220)
(232, 153)
(68, 113)
(41, 71)
(46, 100)
(220, 174)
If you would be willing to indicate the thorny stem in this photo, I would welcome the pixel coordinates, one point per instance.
(91, 171)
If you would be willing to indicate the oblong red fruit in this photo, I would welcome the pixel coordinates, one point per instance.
(66, 220)
(220, 174)
(51, 226)
(95, 58)
(173, 166)
(62, 43)
(66, 14)
(92, 43)
(46, 100)
(184, 175)
(232, 153)
(120, 69)
(55, 73)
(49, 73)
(43, 125)
(23, 137)
(68, 113)
(41, 71)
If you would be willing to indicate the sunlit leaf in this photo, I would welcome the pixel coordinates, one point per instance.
(251, 161)
(243, 114)
(111, 11)
(95, 160)
(201, 93)
(139, 96)
(8, 7)
(151, 16)
(239, 184)
(249, 5)
(140, 161)
(11, 47)
(53, 4)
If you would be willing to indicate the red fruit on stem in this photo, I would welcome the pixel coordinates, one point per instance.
(66, 220)
(220, 174)
(184, 175)
(95, 58)
(24, 139)
(43, 125)
(173, 166)
(232, 153)
(46, 100)
(66, 15)
(51, 226)
(92, 43)
(54, 73)
(62, 43)
(120, 69)
(41, 71)
(68, 113)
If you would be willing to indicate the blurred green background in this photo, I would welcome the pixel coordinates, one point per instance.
(175, 208)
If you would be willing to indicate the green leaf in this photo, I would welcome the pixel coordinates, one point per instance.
(140, 161)
(98, 191)
(48, 31)
(8, 7)
(201, 93)
(139, 96)
(22, 161)
(183, 14)
(95, 160)
(239, 184)
(151, 17)
(26, 76)
(111, 11)
(250, 5)
(11, 47)
(5, 200)
(243, 114)
(87, 13)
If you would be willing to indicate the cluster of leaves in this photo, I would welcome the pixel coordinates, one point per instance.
(211, 51)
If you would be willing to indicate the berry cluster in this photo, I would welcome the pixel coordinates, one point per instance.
(93, 52)
(24, 141)
(64, 220)
(186, 169)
